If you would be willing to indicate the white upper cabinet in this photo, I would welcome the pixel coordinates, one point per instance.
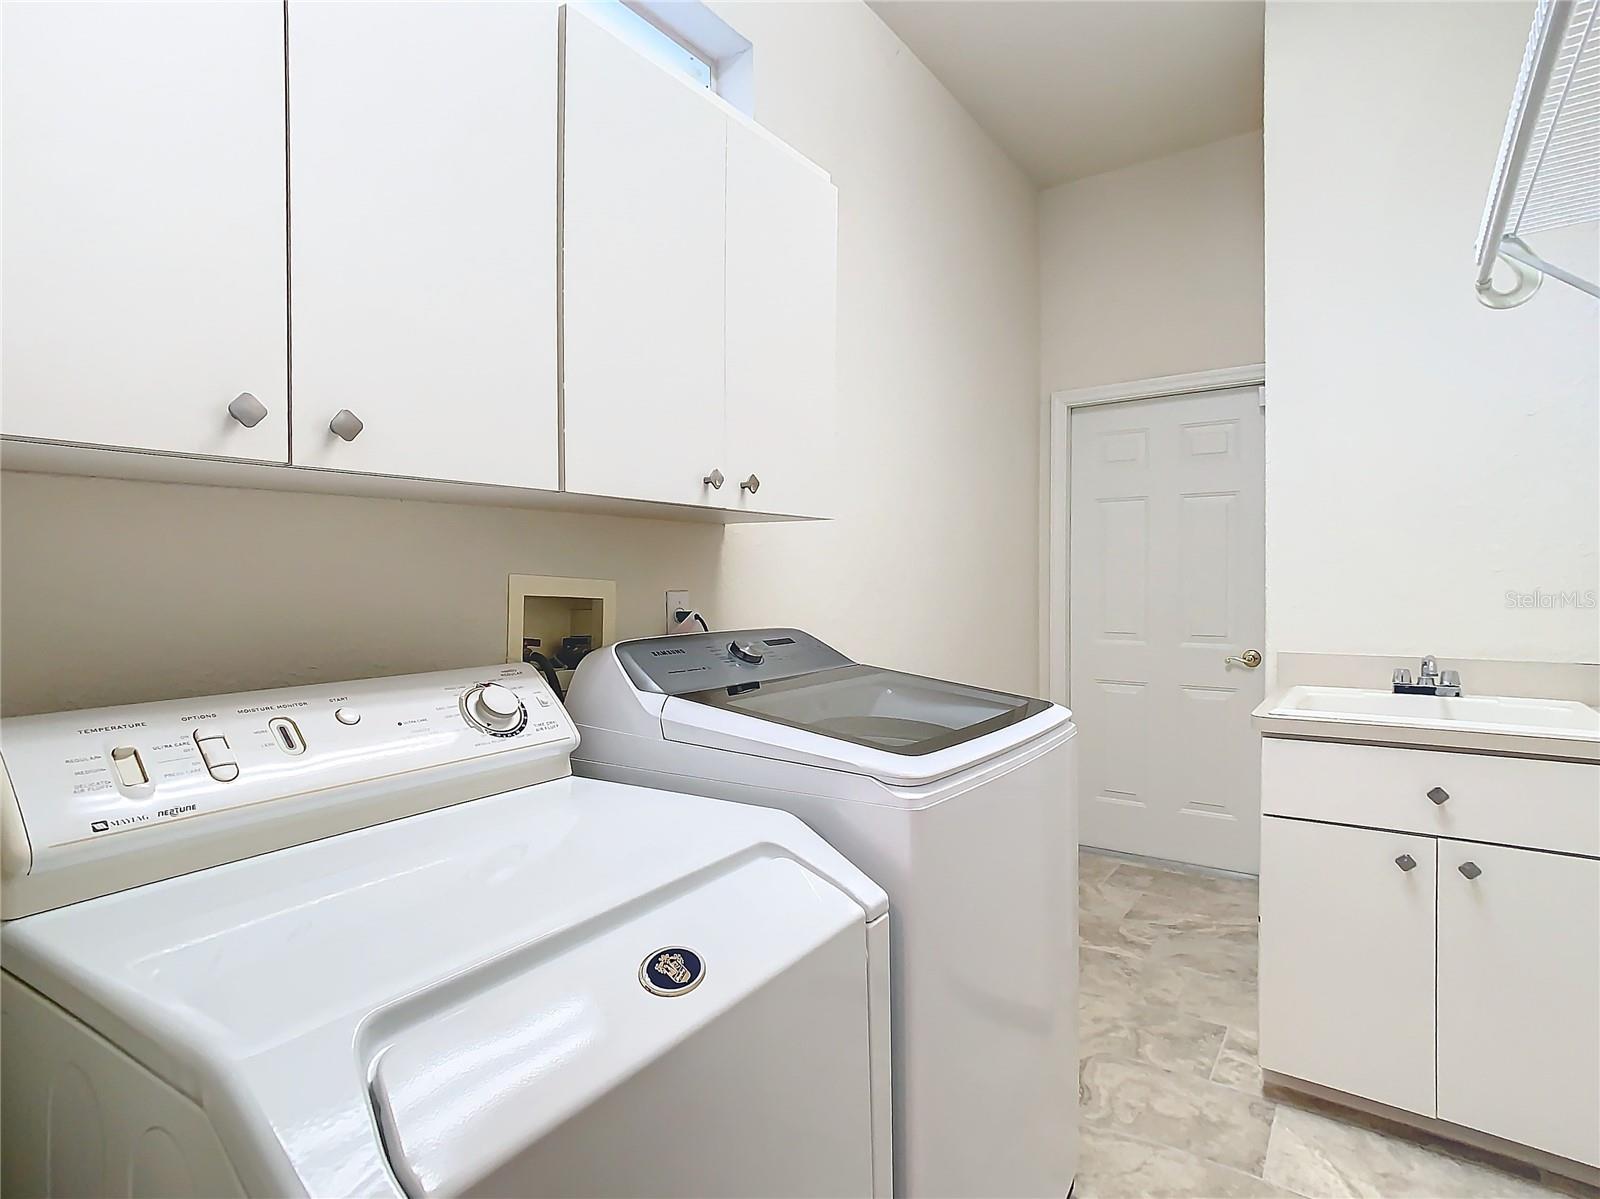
(481, 243)
(781, 246)
(144, 230)
(423, 177)
(642, 245)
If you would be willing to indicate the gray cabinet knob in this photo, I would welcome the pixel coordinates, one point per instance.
(346, 424)
(1406, 862)
(715, 478)
(247, 410)
(1438, 795)
(1469, 869)
(752, 485)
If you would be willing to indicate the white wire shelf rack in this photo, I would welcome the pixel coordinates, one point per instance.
(1548, 173)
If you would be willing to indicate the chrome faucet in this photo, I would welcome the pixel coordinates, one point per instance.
(1430, 680)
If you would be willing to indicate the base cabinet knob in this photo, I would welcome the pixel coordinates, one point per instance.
(1470, 869)
(1438, 794)
(1406, 862)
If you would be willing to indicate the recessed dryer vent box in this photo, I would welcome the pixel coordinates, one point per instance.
(543, 610)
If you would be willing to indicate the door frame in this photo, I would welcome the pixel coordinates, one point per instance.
(1056, 494)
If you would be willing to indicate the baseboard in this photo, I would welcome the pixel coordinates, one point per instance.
(1575, 1178)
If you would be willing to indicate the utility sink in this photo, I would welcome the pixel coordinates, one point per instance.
(1483, 714)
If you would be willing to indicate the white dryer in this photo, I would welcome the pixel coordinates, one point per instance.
(373, 939)
(960, 801)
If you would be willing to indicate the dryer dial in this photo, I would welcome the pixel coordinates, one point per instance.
(494, 709)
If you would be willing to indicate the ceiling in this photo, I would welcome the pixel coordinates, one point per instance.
(1075, 87)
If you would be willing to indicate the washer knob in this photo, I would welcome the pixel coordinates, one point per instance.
(751, 652)
(494, 708)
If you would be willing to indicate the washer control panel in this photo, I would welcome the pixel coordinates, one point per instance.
(83, 780)
(691, 662)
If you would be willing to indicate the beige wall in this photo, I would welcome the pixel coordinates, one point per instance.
(117, 591)
(1425, 455)
(1155, 269)
(113, 592)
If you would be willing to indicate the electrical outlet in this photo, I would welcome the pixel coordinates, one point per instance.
(676, 600)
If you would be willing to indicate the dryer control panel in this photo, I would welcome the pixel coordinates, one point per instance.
(152, 790)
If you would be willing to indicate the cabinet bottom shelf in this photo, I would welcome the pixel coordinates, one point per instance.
(1432, 1133)
(47, 457)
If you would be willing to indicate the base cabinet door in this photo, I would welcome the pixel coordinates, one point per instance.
(1519, 996)
(782, 235)
(146, 305)
(423, 179)
(642, 277)
(1347, 970)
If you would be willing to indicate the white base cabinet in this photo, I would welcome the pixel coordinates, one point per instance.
(1347, 982)
(1456, 979)
(1519, 996)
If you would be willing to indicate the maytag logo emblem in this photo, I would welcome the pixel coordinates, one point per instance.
(672, 970)
(105, 826)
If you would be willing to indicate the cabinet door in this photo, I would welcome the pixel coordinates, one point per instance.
(1347, 939)
(642, 270)
(423, 169)
(1519, 996)
(782, 245)
(144, 226)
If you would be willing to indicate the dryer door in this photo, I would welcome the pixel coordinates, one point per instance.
(570, 1073)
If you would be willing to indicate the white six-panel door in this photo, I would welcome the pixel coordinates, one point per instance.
(642, 269)
(423, 164)
(144, 272)
(1166, 585)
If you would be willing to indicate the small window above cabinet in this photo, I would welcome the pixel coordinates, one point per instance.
(699, 282)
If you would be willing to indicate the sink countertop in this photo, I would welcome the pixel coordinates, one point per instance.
(1539, 728)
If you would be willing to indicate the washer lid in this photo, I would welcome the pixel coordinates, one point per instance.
(901, 729)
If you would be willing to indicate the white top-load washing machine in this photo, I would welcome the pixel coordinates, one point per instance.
(957, 799)
(373, 939)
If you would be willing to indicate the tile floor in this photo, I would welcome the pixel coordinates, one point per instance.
(1171, 1092)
